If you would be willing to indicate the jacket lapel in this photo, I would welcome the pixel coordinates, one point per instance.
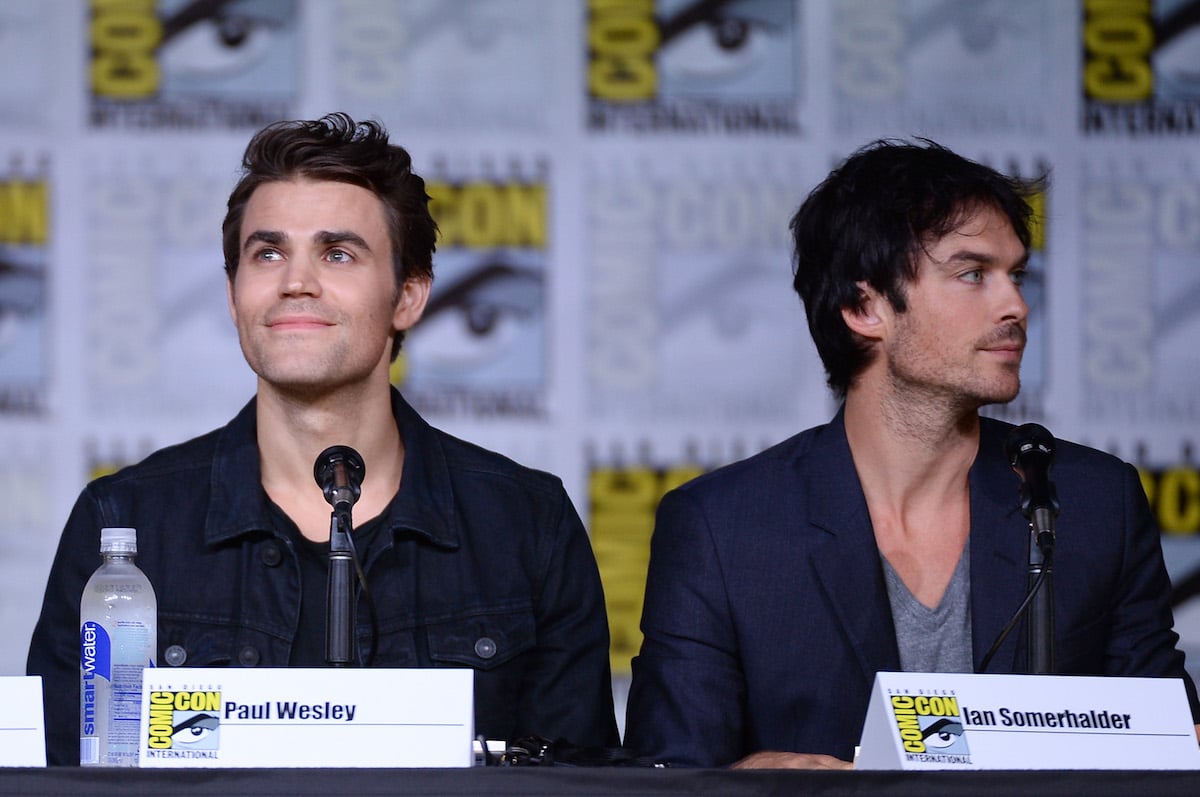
(847, 564)
(999, 553)
(846, 561)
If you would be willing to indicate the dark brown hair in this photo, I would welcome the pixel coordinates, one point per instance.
(338, 149)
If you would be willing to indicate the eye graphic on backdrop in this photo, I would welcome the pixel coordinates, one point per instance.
(481, 314)
(715, 40)
(1182, 310)
(1177, 51)
(202, 300)
(979, 25)
(728, 300)
(205, 40)
(478, 23)
(22, 290)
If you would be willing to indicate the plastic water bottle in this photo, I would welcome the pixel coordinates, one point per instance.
(118, 637)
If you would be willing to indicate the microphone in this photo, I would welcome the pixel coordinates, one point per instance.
(1029, 449)
(339, 472)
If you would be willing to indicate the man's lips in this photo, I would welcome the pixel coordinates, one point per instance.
(1009, 349)
(1009, 354)
(286, 323)
(1009, 342)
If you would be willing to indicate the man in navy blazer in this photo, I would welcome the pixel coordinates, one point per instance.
(891, 538)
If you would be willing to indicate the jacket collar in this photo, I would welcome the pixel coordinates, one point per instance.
(850, 570)
(999, 550)
(424, 504)
(848, 564)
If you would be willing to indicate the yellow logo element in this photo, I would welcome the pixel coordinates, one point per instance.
(188, 718)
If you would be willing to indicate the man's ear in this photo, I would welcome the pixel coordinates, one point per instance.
(870, 315)
(413, 297)
(229, 298)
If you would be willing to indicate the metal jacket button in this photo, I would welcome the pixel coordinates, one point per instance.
(249, 656)
(485, 648)
(175, 655)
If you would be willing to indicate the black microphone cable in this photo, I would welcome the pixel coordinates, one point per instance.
(372, 617)
(1012, 623)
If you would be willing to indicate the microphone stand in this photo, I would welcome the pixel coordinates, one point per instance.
(339, 597)
(339, 473)
(1029, 449)
(1040, 647)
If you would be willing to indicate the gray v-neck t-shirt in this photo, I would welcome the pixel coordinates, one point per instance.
(938, 639)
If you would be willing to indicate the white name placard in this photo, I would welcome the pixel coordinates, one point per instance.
(920, 721)
(236, 717)
(22, 722)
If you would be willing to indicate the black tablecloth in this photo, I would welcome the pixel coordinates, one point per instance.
(586, 781)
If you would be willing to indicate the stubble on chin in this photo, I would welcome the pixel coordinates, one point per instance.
(285, 364)
(936, 389)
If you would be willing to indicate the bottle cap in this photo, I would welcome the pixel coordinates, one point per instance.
(118, 540)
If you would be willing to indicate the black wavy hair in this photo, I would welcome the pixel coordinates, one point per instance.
(869, 220)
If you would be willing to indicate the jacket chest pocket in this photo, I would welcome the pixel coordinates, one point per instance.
(498, 646)
(484, 641)
(194, 644)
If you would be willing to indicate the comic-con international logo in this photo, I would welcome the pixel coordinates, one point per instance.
(1140, 74)
(184, 724)
(700, 66)
(192, 64)
(24, 345)
(931, 728)
(480, 350)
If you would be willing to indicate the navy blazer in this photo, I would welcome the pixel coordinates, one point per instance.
(767, 616)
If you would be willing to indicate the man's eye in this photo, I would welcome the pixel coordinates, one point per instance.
(1018, 277)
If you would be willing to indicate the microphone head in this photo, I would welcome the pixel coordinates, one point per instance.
(1027, 441)
(339, 472)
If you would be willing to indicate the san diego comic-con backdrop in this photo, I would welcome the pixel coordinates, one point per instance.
(613, 181)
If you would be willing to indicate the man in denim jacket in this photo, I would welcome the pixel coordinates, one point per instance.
(470, 559)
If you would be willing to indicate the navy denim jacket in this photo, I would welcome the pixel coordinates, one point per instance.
(485, 565)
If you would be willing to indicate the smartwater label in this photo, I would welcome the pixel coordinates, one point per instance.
(95, 661)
